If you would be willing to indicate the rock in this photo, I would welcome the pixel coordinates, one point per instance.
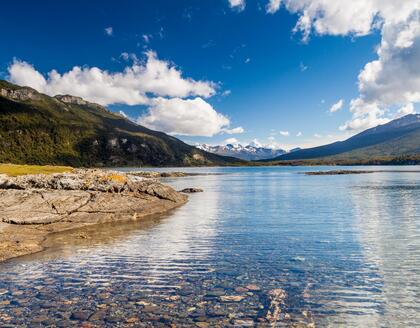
(40, 319)
(98, 315)
(63, 201)
(155, 175)
(80, 316)
(21, 94)
(191, 190)
(339, 172)
(253, 287)
(232, 298)
(150, 309)
(276, 299)
(132, 320)
(244, 323)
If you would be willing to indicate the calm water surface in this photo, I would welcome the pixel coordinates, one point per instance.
(345, 249)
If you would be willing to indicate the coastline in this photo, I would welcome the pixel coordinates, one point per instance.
(32, 207)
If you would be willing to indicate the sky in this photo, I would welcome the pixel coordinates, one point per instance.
(280, 73)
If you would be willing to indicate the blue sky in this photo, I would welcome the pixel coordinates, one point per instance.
(265, 77)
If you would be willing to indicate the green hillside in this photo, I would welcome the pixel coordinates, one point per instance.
(399, 138)
(66, 130)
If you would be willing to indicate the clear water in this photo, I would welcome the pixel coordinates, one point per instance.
(344, 248)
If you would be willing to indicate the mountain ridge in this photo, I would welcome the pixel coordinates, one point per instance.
(248, 152)
(68, 130)
(399, 137)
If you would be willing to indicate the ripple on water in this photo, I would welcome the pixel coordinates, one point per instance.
(339, 250)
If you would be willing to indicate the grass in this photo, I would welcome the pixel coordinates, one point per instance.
(15, 170)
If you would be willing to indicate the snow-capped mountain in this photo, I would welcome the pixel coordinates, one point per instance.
(250, 152)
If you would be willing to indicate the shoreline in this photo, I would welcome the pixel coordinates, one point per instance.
(33, 207)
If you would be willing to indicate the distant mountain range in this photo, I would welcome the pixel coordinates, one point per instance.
(398, 138)
(38, 129)
(249, 153)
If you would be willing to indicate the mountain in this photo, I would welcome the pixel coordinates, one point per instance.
(38, 129)
(249, 152)
(398, 138)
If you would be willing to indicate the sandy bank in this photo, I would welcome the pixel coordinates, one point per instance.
(33, 206)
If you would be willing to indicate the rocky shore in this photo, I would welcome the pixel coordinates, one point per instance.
(33, 206)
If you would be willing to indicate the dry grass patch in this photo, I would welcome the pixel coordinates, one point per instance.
(15, 170)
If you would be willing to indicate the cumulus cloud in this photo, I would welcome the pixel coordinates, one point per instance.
(406, 110)
(273, 6)
(155, 76)
(393, 79)
(284, 133)
(189, 117)
(337, 106)
(365, 115)
(237, 4)
(175, 104)
(109, 31)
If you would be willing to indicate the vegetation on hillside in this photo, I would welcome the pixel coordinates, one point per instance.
(51, 130)
(390, 142)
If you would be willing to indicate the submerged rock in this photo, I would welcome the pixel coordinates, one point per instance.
(191, 190)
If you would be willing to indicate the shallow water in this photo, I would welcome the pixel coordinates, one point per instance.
(344, 248)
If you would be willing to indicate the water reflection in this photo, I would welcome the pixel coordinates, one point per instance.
(389, 225)
(344, 249)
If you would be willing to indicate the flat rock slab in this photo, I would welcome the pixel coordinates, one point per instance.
(33, 206)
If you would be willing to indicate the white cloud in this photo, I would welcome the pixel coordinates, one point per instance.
(247, 61)
(405, 110)
(131, 86)
(129, 56)
(299, 134)
(109, 31)
(273, 6)
(365, 115)
(237, 4)
(190, 117)
(284, 133)
(232, 141)
(316, 135)
(337, 106)
(237, 130)
(255, 143)
(302, 67)
(393, 79)
(25, 74)
(147, 38)
(175, 103)
(226, 93)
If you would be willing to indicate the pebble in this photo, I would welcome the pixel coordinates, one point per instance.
(232, 298)
(80, 315)
(253, 287)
